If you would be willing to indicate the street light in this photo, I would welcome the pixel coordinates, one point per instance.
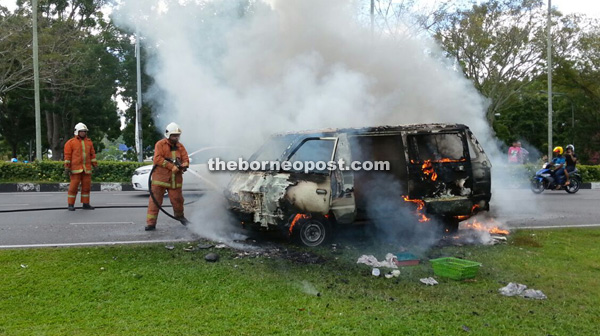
(572, 112)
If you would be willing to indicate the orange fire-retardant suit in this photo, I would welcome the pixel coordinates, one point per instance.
(80, 156)
(164, 178)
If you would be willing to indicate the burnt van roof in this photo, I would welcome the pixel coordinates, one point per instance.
(434, 127)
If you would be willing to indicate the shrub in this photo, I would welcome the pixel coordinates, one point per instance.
(53, 171)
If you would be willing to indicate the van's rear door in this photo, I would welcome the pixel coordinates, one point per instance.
(440, 171)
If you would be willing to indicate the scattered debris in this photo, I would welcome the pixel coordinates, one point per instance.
(429, 281)
(406, 259)
(376, 272)
(102, 268)
(389, 262)
(465, 328)
(514, 289)
(211, 257)
(189, 249)
(220, 246)
(202, 246)
(392, 274)
(169, 247)
(24, 266)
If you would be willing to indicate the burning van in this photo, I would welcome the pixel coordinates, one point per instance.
(436, 170)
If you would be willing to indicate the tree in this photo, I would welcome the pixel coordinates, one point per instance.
(498, 45)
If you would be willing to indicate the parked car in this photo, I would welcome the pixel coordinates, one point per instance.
(439, 169)
(198, 164)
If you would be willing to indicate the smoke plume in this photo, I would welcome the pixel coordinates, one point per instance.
(234, 72)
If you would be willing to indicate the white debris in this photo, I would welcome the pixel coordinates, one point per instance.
(392, 274)
(220, 246)
(24, 266)
(376, 272)
(534, 294)
(429, 281)
(513, 289)
(389, 262)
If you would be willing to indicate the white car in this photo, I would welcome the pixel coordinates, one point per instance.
(197, 177)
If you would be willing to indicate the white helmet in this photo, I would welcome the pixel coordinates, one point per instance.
(80, 127)
(172, 128)
(572, 148)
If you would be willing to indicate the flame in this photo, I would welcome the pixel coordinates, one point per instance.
(427, 169)
(420, 205)
(296, 219)
(488, 226)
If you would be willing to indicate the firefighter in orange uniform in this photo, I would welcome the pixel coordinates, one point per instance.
(80, 157)
(171, 160)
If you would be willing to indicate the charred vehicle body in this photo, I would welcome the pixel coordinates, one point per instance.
(437, 170)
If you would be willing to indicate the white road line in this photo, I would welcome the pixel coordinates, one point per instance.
(556, 226)
(98, 223)
(96, 243)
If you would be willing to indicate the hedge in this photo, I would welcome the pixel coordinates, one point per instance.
(113, 171)
(588, 173)
(54, 171)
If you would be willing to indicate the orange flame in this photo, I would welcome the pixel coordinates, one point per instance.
(296, 219)
(427, 169)
(420, 205)
(489, 227)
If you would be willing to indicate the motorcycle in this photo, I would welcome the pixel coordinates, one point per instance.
(544, 179)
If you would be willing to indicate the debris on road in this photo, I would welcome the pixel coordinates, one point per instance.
(169, 247)
(389, 262)
(429, 281)
(514, 289)
(211, 257)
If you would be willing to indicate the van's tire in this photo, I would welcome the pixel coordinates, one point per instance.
(312, 231)
(450, 225)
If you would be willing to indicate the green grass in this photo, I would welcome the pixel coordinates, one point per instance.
(149, 290)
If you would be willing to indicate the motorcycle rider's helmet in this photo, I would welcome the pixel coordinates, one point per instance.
(572, 148)
(558, 149)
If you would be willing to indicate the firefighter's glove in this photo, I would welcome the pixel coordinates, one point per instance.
(184, 169)
(175, 170)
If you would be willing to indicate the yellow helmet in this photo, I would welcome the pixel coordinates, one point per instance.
(558, 149)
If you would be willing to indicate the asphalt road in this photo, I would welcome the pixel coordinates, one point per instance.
(513, 207)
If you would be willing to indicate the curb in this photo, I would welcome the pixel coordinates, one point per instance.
(40, 187)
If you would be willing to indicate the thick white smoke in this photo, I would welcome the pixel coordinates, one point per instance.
(234, 72)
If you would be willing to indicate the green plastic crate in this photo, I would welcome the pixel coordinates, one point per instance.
(454, 268)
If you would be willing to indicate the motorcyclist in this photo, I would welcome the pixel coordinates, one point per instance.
(558, 164)
(570, 161)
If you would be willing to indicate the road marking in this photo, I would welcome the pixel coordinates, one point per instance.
(99, 223)
(8, 205)
(556, 226)
(96, 243)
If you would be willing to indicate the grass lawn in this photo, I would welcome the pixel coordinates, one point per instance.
(150, 290)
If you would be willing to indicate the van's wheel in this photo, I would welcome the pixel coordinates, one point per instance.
(450, 224)
(312, 231)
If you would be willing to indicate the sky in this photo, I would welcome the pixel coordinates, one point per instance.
(589, 7)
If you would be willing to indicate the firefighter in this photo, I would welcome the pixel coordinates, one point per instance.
(80, 157)
(171, 160)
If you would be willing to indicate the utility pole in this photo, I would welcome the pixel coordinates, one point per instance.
(138, 105)
(36, 85)
(549, 28)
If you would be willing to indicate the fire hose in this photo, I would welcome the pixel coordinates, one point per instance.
(177, 163)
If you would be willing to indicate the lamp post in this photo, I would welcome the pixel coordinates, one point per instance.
(549, 56)
(572, 112)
